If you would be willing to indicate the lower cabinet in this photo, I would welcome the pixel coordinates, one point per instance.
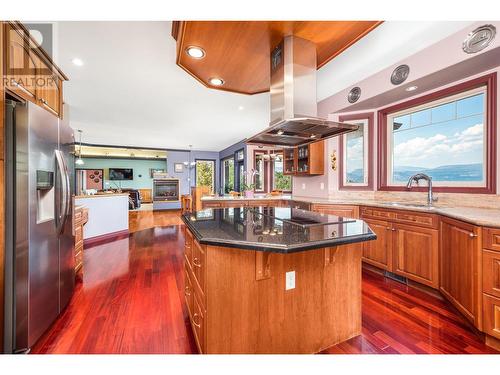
(491, 310)
(416, 253)
(338, 210)
(407, 244)
(194, 289)
(460, 279)
(379, 252)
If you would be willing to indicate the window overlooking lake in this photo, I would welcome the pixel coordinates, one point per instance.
(355, 149)
(355, 155)
(445, 139)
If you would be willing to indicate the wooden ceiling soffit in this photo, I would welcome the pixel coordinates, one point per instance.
(238, 51)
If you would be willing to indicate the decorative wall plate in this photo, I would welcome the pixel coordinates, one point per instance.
(354, 94)
(479, 39)
(400, 74)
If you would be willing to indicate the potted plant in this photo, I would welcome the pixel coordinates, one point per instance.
(248, 185)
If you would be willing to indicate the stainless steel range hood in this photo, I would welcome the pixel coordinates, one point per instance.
(293, 98)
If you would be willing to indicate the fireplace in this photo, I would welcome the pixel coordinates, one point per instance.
(166, 190)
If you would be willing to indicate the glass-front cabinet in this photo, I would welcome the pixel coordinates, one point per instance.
(304, 160)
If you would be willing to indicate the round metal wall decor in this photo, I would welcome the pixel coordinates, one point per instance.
(479, 39)
(354, 94)
(400, 74)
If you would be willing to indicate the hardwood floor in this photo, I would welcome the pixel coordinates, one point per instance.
(139, 220)
(130, 300)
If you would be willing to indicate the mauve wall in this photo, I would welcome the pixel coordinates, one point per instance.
(442, 62)
(174, 157)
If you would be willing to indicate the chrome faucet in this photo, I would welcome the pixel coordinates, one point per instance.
(422, 176)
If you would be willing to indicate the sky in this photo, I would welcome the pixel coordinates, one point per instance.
(446, 140)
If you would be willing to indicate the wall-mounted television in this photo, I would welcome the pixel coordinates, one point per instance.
(121, 174)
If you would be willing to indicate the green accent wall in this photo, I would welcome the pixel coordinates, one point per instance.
(142, 179)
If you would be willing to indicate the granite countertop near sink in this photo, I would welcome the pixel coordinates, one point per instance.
(478, 216)
(274, 229)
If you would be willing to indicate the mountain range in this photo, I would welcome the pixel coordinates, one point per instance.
(455, 172)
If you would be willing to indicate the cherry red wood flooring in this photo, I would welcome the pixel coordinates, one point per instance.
(130, 300)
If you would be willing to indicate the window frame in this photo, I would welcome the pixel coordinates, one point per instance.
(369, 152)
(223, 173)
(282, 152)
(489, 81)
(214, 163)
(264, 167)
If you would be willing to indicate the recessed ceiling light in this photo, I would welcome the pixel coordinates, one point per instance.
(312, 136)
(216, 81)
(280, 132)
(241, 108)
(195, 52)
(77, 61)
(411, 88)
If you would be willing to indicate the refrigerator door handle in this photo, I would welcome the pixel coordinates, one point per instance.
(62, 216)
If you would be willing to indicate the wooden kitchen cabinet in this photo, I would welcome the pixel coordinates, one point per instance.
(491, 273)
(80, 217)
(30, 72)
(379, 252)
(146, 195)
(460, 257)
(308, 160)
(416, 253)
(491, 308)
(337, 209)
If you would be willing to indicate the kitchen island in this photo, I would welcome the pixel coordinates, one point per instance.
(272, 279)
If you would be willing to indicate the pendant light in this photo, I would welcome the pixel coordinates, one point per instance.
(80, 161)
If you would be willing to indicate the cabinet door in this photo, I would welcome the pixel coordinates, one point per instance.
(289, 161)
(416, 253)
(379, 251)
(21, 63)
(491, 315)
(48, 90)
(460, 254)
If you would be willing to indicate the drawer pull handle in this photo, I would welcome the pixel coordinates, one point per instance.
(472, 235)
(196, 262)
(187, 292)
(196, 315)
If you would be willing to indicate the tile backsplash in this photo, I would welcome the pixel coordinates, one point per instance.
(444, 199)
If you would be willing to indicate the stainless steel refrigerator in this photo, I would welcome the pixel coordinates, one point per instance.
(40, 245)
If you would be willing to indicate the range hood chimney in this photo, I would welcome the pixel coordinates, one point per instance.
(293, 98)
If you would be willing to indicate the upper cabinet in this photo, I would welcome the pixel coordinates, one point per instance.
(30, 72)
(308, 160)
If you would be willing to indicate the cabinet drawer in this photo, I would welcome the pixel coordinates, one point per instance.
(188, 290)
(198, 323)
(376, 213)
(78, 234)
(491, 238)
(337, 209)
(491, 273)
(188, 246)
(420, 219)
(198, 265)
(85, 216)
(491, 315)
(78, 217)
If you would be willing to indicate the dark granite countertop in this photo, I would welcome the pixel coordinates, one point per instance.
(274, 229)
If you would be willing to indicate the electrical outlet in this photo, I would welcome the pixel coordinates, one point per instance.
(290, 280)
(303, 186)
(322, 186)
